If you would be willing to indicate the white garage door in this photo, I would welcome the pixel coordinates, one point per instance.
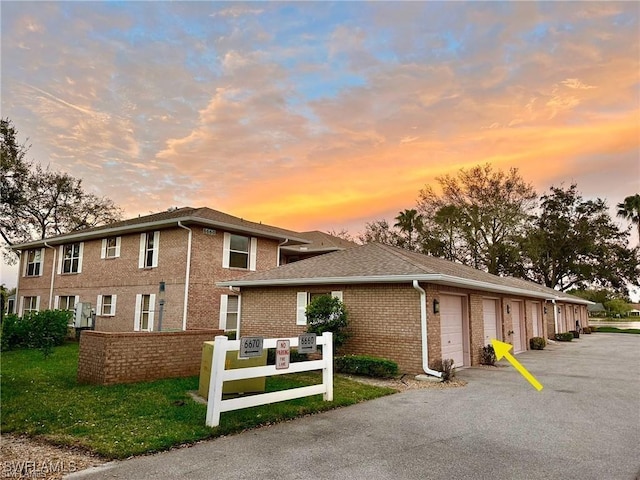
(490, 317)
(451, 328)
(517, 327)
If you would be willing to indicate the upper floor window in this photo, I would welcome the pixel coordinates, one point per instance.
(239, 251)
(71, 258)
(33, 267)
(149, 249)
(110, 247)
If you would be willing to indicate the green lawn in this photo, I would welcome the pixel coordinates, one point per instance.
(41, 397)
(618, 330)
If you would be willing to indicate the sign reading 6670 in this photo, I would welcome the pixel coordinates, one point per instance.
(250, 347)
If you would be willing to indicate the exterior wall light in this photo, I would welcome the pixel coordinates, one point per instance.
(508, 308)
(545, 310)
(436, 306)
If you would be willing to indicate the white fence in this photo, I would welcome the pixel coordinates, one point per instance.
(219, 374)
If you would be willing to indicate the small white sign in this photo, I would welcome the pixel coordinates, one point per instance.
(283, 352)
(307, 343)
(250, 347)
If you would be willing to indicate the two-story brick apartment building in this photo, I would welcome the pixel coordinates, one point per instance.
(161, 267)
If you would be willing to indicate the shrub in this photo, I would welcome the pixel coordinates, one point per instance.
(564, 337)
(446, 367)
(328, 314)
(537, 343)
(488, 355)
(575, 334)
(42, 330)
(593, 329)
(366, 365)
(586, 330)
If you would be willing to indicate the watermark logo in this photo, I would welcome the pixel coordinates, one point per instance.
(36, 469)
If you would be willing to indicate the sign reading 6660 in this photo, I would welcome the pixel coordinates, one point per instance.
(251, 347)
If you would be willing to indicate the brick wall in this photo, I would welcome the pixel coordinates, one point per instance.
(108, 358)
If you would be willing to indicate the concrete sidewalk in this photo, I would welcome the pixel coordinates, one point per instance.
(584, 424)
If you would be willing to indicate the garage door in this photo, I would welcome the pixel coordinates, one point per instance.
(516, 317)
(490, 317)
(451, 328)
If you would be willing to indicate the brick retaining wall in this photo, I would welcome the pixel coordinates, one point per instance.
(108, 358)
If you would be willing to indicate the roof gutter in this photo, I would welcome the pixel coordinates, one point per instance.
(423, 323)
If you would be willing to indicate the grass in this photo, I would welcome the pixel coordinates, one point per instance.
(617, 330)
(41, 398)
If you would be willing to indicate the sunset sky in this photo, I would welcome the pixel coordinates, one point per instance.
(322, 115)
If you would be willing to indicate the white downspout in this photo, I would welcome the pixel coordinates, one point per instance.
(187, 274)
(53, 274)
(423, 323)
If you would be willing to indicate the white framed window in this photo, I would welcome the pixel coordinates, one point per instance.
(110, 247)
(106, 305)
(34, 264)
(144, 313)
(229, 312)
(304, 298)
(149, 249)
(65, 302)
(29, 304)
(239, 251)
(71, 258)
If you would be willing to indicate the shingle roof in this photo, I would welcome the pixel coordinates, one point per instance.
(320, 242)
(379, 263)
(186, 215)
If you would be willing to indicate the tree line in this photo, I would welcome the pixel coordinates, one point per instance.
(495, 221)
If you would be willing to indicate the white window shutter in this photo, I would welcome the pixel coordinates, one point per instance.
(21, 308)
(301, 313)
(253, 253)
(136, 318)
(76, 301)
(80, 257)
(99, 305)
(224, 300)
(239, 316)
(25, 262)
(41, 269)
(103, 251)
(143, 238)
(337, 294)
(156, 248)
(152, 310)
(38, 303)
(118, 241)
(56, 302)
(226, 247)
(114, 298)
(60, 255)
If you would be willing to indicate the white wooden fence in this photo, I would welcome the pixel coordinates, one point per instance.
(219, 374)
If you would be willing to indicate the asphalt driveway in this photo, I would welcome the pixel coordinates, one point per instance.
(584, 424)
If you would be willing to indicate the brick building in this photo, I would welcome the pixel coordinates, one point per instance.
(405, 306)
(161, 267)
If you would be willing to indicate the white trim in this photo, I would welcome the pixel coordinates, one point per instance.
(142, 252)
(118, 244)
(56, 302)
(301, 308)
(136, 314)
(114, 298)
(156, 249)
(21, 307)
(37, 303)
(76, 301)
(253, 253)
(99, 306)
(226, 249)
(152, 310)
(61, 255)
(103, 249)
(224, 300)
(80, 255)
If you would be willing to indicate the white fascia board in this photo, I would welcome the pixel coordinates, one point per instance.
(142, 227)
(428, 278)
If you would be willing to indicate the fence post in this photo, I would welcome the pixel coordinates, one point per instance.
(215, 382)
(327, 371)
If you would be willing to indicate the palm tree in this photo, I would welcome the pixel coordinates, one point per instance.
(630, 210)
(409, 221)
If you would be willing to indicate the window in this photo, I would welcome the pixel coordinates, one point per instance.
(30, 304)
(110, 247)
(303, 299)
(65, 302)
(145, 310)
(71, 258)
(239, 251)
(149, 250)
(106, 305)
(229, 312)
(35, 258)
